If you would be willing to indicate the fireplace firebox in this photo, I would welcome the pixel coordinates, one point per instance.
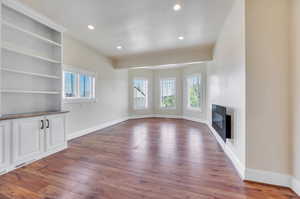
(221, 121)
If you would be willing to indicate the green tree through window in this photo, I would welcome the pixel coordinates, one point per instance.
(168, 93)
(194, 92)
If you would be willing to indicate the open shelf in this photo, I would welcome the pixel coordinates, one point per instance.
(5, 23)
(31, 61)
(30, 74)
(30, 92)
(13, 48)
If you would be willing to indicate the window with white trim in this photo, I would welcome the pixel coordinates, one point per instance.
(85, 86)
(140, 94)
(194, 92)
(168, 93)
(70, 81)
(78, 85)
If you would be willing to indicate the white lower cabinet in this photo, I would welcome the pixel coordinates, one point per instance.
(30, 139)
(55, 133)
(28, 135)
(4, 146)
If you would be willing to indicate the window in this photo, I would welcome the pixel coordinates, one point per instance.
(140, 94)
(70, 84)
(168, 93)
(79, 86)
(85, 86)
(194, 92)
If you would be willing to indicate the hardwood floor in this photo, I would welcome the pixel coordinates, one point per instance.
(144, 158)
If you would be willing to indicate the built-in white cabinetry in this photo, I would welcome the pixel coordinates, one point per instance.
(55, 133)
(4, 146)
(32, 124)
(31, 61)
(27, 140)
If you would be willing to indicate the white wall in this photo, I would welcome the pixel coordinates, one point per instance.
(186, 71)
(111, 88)
(226, 77)
(254, 83)
(268, 126)
(295, 92)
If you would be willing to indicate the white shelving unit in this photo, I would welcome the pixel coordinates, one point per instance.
(31, 61)
(31, 92)
(16, 49)
(30, 73)
(5, 23)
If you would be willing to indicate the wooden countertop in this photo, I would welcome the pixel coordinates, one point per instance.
(28, 115)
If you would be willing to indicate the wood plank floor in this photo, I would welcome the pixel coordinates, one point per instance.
(137, 159)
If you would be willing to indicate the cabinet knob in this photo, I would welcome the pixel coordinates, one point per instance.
(42, 124)
(48, 124)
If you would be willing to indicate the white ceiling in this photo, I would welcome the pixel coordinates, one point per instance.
(140, 26)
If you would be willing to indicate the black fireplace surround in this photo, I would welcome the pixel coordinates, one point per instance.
(221, 121)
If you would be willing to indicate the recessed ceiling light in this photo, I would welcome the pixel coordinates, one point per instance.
(91, 27)
(177, 7)
(119, 47)
(181, 38)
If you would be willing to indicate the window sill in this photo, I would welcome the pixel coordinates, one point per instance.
(140, 109)
(195, 109)
(166, 108)
(78, 101)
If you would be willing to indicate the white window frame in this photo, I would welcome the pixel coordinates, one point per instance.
(160, 94)
(147, 94)
(77, 98)
(187, 92)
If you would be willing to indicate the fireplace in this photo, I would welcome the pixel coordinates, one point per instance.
(221, 121)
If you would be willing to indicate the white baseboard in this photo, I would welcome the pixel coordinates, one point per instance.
(273, 178)
(168, 116)
(155, 115)
(268, 177)
(13, 166)
(194, 119)
(295, 186)
(239, 166)
(140, 116)
(95, 128)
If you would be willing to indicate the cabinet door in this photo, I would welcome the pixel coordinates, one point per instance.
(4, 145)
(27, 139)
(55, 132)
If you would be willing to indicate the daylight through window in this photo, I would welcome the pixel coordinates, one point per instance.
(194, 92)
(140, 93)
(70, 84)
(78, 86)
(168, 93)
